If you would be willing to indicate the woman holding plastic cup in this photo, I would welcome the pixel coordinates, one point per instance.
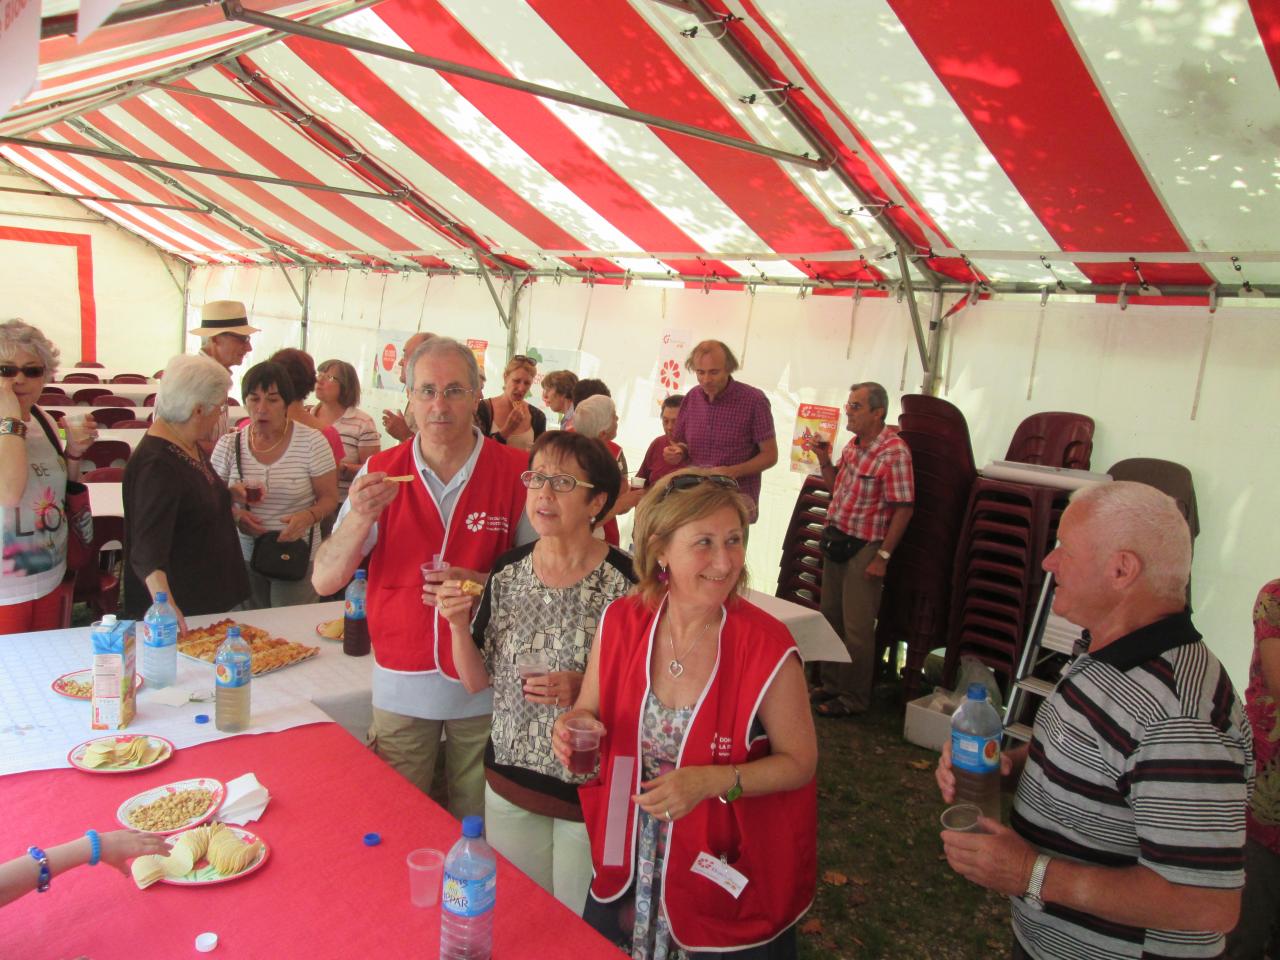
(529, 640)
(34, 469)
(703, 819)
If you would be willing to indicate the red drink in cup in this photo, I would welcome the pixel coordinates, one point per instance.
(584, 744)
(532, 664)
(254, 491)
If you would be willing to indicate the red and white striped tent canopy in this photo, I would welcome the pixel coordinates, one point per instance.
(1016, 143)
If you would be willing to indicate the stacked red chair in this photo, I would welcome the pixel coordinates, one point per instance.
(90, 394)
(108, 453)
(129, 378)
(81, 377)
(915, 606)
(111, 400)
(1053, 440)
(800, 573)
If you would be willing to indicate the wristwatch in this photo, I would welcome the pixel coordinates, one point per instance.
(883, 554)
(734, 792)
(1034, 885)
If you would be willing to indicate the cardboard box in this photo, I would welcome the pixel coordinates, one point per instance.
(114, 666)
(928, 724)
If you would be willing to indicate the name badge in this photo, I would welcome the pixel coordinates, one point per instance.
(720, 873)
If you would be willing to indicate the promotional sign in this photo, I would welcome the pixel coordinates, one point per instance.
(814, 422)
(388, 357)
(672, 376)
(19, 51)
(478, 347)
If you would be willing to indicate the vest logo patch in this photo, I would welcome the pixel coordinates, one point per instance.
(475, 521)
(479, 521)
(721, 747)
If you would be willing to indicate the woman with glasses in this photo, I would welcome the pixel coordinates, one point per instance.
(710, 738)
(338, 393)
(529, 640)
(508, 417)
(34, 470)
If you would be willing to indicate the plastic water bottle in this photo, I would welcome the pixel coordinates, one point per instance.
(160, 643)
(355, 628)
(233, 669)
(975, 751)
(470, 883)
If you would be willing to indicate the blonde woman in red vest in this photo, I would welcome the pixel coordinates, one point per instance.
(542, 599)
(703, 818)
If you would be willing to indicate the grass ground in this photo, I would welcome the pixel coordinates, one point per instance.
(884, 888)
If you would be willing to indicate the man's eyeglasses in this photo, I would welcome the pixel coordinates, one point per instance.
(560, 483)
(239, 338)
(690, 480)
(452, 394)
(31, 371)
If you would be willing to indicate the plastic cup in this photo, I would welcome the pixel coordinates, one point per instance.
(532, 664)
(584, 743)
(426, 874)
(962, 817)
(254, 491)
(436, 564)
(637, 483)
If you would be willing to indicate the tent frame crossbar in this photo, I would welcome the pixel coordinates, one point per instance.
(155, 204)
(235, 11)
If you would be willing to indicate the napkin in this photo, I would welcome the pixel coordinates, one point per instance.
(246, 799)
(170, 696)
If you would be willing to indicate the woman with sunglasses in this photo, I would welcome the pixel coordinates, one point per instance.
(508, 417)
(34, 470)
(709, 735)
(544, 599)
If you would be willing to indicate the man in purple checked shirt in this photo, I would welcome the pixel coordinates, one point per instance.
(723, 423)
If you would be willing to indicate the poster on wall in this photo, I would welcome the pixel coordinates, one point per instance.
(19, 51)
(388, 357)
(478, 347)
(814, 422)
(672, 376)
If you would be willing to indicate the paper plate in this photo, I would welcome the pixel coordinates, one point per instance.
(320, 627)
(76, 756)
(203, 875)
(155, 793)
(62, 687)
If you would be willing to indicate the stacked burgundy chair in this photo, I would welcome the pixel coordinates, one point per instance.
(90, 394)
(1053, 440)
(111, 400)
(81, 377)
(800, 569)
(915, 606)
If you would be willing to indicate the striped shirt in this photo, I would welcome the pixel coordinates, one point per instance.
(1141, 756)
(870, 483)
(355, 429)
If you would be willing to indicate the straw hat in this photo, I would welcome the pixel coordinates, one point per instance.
(223, 316)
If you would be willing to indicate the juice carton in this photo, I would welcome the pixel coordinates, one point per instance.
(114, 663)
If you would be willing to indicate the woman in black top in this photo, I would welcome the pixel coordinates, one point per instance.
(544, 598)
(178, 533)
(508, 417)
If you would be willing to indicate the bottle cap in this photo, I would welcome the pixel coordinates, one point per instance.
(161, 597)
(108, 619)
(361, 575)
(206, 942)
(202, 718)
(372, 839)
(472, 827)
(977, 691)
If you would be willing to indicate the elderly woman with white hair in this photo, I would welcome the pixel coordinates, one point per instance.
(179, 535)
(596, 416)
(34, 470)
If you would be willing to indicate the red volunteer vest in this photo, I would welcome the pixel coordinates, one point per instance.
(772, 839)
(407, 635)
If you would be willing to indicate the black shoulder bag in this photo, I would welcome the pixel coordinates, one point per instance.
(270, 557)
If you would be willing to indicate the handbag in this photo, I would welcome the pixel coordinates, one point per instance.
(837, 546)
(76, 509)
(271, 558)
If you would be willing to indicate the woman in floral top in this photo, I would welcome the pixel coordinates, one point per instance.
(1260, 908)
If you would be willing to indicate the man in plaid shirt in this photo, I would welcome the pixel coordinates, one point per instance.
(872, 497)
(724, 423)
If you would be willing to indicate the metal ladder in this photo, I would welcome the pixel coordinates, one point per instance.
(1049, 635)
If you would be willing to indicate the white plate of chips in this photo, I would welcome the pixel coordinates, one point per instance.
(173, 807)
(331, 629)
(120, 753)
(213, 853)
(78, 685)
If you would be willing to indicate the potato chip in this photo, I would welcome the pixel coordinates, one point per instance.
(179, 862)
(151, 753)
(147, 870)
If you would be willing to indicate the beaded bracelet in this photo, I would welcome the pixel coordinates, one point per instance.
(38, 855)
(95, 847)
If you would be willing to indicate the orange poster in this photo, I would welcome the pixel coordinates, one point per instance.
(813, 422)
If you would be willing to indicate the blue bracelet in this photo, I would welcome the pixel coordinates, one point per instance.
(95, 847)
(38, 855)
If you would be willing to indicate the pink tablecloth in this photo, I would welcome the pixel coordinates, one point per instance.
(321, 894)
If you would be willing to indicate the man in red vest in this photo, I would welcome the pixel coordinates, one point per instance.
(465, 502)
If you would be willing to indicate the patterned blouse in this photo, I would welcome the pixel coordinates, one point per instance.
(1263, 708)
(517, 614)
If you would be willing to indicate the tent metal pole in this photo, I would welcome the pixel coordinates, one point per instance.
(120, 157)
(513, 328)
(931, 376)
(235, 11)
(98, 199)
(208, 95)
(914, 309)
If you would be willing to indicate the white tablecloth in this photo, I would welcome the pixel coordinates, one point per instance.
(813, 635)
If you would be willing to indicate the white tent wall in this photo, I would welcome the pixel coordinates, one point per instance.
(1133, 371)
(134, 287)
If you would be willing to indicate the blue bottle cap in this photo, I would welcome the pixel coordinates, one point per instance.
(472, 827)
(361, 575)
(202, 718)
(372, 839)
(161, 596)
(977, 691)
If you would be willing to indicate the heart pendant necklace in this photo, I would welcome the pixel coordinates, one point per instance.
(675, 667)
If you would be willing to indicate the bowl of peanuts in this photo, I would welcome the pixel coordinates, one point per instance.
(173, 807)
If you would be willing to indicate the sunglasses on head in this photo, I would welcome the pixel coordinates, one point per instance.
(31, 370)
(690, 480)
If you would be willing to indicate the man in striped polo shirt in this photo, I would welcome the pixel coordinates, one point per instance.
(1127, 835)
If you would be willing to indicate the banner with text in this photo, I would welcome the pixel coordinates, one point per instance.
(814, 422)
(387, 359)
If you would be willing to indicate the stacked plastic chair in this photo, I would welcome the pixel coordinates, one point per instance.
(1008, 530)
(1167, 477)
(800, 573)
(914, 608)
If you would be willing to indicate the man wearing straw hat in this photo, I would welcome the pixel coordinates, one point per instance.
(224, 325)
